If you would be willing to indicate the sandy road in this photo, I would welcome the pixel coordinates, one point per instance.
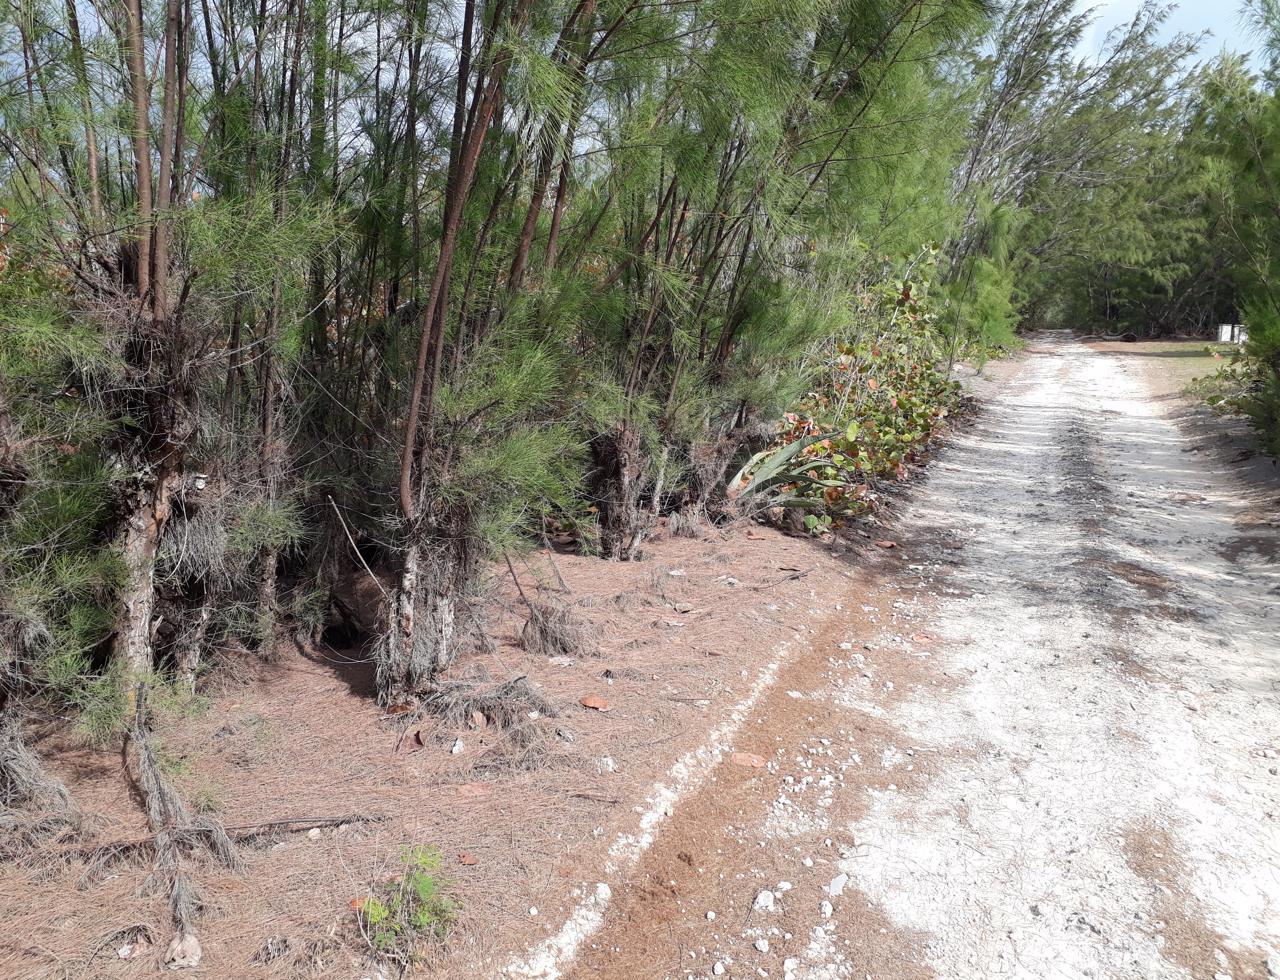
(1044, 743)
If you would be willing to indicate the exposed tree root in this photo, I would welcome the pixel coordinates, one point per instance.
(175, 828)
(553, 629)
(101, 857)
(35, 807)
(503, 705)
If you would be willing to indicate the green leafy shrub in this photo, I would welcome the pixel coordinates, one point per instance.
(880, 396)
(404, 911)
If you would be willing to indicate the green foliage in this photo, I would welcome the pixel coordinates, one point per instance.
(403, 912)
(506, 464)
(986, 308)
(881, 396)
(1261, 399)
(257, 524)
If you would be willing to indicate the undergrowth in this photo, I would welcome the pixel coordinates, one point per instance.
(402, 913)
(880, 394)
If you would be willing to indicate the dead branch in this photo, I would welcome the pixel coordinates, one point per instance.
(116, 850)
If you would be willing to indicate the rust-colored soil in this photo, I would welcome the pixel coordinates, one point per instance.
(301, 737)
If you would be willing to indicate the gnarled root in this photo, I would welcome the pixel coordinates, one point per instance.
(553, 629)
(35, 806)
(502, 705)
(174, 827)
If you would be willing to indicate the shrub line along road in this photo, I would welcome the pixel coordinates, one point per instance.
(1043, 744)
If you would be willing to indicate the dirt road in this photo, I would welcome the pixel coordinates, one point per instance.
(1045, 744)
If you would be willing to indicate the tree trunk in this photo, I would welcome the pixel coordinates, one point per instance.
(402, 670)
(187, 658)
(140, 91)
(139, 543)
(623, 522)
(420, 641)
(90, 133)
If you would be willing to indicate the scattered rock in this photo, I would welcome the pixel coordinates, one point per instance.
(826, 908)
(762, 945)
(184, 952)
(764, 901)
(457, 746)
(718, 968)
(836, 888)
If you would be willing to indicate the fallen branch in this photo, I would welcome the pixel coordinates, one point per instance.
(595, 797)
(785, 578)
(240, 832)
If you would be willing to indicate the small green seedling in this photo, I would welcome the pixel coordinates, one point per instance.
(407, 910)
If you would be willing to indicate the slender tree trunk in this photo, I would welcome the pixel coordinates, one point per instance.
(419, 642)
(557, 211)
(139, 544)
(90, 133)
(139, 87)
(164, 183)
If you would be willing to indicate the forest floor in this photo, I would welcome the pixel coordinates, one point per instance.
(1037, 737)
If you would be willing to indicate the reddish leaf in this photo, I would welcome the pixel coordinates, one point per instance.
(748, 760)
(399, 709)
(873, 384)
(595, 702)
(357, 903)
(923, 638)
(886, 544)
(465, 858)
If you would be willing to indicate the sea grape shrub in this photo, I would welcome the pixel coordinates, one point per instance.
(880, 397)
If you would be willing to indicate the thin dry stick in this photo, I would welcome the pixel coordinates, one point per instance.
(519, 588)
(346, 529)
(551, 557)
(785, 578)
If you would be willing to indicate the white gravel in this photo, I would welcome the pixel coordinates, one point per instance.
(1119, 667)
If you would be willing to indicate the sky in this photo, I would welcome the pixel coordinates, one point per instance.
(1220, 17)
